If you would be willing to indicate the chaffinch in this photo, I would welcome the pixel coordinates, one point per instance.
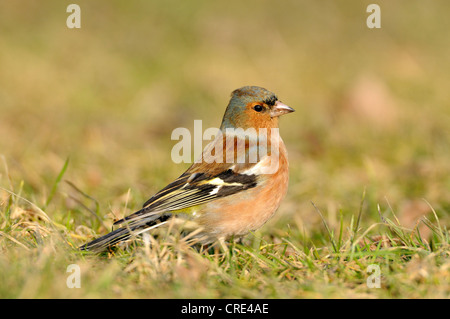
(234, 188)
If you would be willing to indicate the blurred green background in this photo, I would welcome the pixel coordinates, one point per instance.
(372, 105)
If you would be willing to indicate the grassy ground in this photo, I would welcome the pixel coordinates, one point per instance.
(86, 118)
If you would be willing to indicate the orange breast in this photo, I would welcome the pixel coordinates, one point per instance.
(240, 213)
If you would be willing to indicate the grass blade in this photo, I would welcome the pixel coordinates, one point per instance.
(330, 234)
(55, 185)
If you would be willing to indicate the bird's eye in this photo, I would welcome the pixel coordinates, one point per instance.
(258, 108)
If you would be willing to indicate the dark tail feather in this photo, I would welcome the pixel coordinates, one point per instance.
(108, 240)
(123, 233)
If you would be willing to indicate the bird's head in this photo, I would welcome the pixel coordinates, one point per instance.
(253, 107)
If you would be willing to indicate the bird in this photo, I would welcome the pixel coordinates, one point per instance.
(234, 188)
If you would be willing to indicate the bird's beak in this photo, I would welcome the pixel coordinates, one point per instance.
(280, 109)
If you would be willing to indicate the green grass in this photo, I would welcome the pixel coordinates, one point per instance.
(86, 118)
(286, 264)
